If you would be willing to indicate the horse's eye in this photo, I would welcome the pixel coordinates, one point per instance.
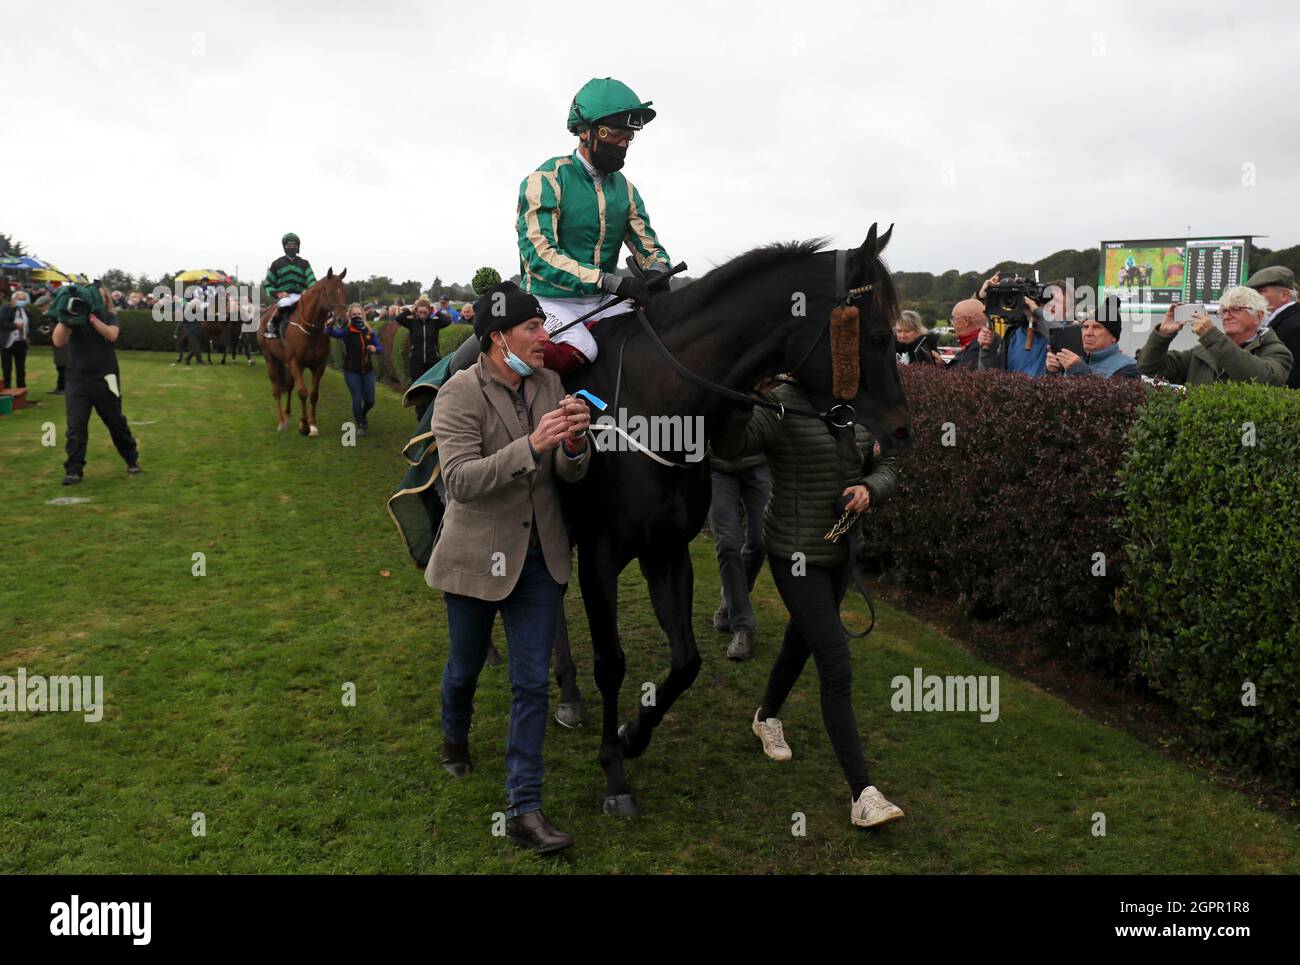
(880, 341)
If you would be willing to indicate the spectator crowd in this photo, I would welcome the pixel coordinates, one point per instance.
(1253, 337)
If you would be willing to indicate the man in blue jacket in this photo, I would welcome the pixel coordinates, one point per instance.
(1102, 355)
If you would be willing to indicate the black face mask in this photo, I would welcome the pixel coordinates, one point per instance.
(606, 158)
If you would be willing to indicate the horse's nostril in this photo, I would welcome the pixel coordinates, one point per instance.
(903, 434)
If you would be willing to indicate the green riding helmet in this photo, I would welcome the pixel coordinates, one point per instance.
(607, 99)
(289, 239)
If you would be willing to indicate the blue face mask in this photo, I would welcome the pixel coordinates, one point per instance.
(517, 365)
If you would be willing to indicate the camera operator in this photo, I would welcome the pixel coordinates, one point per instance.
(89, 329)
(1024, 348)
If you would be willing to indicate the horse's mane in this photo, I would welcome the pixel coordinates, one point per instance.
(699, 293)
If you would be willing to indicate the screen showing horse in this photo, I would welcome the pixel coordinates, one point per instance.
(1152, 274)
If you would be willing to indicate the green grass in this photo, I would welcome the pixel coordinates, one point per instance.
(223, 693)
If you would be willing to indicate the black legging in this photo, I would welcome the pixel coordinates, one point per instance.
(813, 600)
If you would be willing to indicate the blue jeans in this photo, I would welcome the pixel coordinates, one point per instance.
(362, 387)
(529, 615)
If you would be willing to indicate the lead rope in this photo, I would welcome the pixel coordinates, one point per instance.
(848, 524)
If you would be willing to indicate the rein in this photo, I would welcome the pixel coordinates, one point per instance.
(840, 415)
(317, 328)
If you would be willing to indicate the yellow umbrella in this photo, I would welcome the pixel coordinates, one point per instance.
(198, 274)
(49, 274)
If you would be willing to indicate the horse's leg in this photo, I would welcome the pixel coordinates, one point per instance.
(570, 712)
(300, 386)
(598, 570)
(317, 373)
(669, 578)
(566, 672)
(273, 372)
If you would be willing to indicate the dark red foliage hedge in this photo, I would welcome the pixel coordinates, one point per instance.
(1008, 516)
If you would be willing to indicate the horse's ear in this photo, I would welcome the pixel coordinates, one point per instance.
(330, 273)
(884, 239)
(868, 248)
(342, 273)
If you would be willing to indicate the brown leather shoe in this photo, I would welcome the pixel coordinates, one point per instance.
(741, 646)
(455, 759)
(532, 830)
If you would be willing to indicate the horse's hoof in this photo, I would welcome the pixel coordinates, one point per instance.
(314, 431)
(570, 714)
(281, 427)
(621, 806)
(302, 430)
(630, 740)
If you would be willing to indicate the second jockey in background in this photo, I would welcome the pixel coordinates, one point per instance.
(576, 212)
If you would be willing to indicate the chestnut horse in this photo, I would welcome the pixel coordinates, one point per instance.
(303, 344)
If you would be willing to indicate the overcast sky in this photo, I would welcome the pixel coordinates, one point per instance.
(392, 136)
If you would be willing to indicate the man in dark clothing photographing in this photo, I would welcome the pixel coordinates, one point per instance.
(89, 329)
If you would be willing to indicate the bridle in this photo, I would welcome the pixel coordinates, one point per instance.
(311, 328)
(840, 415)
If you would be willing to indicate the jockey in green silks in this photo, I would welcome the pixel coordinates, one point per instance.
(576, 212)
(288, 277)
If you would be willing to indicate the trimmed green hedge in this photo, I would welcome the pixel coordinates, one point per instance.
(1043, 479)
(1212, 572)
(449, 340)
(137, 330)
(1005, 503)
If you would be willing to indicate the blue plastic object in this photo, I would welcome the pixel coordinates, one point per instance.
(601, 406)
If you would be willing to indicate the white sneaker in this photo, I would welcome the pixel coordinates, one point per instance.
(871, 810)
(770, 733)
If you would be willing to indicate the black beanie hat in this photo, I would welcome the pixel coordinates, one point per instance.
(1108, 317)
(503, 306)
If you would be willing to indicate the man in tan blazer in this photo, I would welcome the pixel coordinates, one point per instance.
(505, 430)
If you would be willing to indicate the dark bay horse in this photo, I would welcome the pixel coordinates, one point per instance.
(224, 330)
(303, 345)
(764, 313)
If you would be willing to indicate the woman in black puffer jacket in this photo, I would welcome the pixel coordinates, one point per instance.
(815, 477)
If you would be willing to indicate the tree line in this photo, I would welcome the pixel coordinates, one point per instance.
(929, 294)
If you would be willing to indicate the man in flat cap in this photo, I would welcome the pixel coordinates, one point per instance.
(1277, 285)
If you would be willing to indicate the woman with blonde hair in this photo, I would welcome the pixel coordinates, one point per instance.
(359, 343)
(916, 345)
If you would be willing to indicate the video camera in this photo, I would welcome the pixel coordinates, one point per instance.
(1005, 301)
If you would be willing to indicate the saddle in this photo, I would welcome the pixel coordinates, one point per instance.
(287, 315)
